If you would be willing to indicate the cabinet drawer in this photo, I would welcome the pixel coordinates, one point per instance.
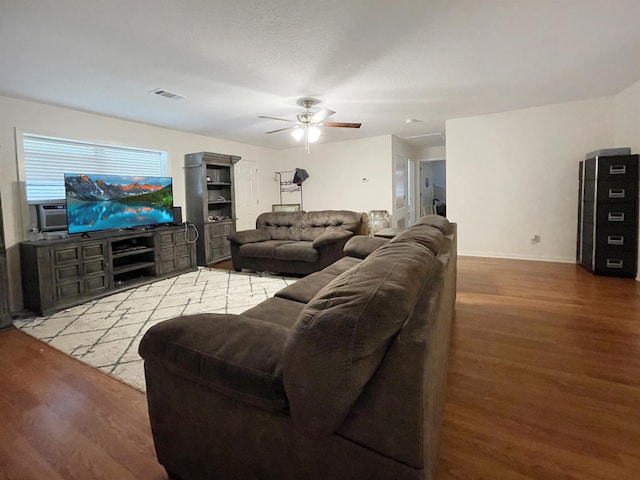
(217, 241)
(219, 229)
(62, 255)
(167, 252)
(95, 250)
(94, 266)
(618, 215)
(621, 191)
(612, 168)
(68, 291)
(166, 238)
(69, 272)
(183, 262)
(168, 265)
(616, 263)
(96, 284)
(217, 253)
(616, 240)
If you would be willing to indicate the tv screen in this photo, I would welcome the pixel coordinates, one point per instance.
(103, 202)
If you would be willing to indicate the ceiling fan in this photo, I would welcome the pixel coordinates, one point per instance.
(308, 124)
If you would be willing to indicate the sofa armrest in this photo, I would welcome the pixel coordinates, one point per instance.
(331, 237)
(361, 246)
(235, 355)
(249, 236)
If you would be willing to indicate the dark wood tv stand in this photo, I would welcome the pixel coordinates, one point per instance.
(57, 274)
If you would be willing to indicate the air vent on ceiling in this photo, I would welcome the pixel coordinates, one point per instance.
(167, 94)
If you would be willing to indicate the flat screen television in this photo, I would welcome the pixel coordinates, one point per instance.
(104, 202)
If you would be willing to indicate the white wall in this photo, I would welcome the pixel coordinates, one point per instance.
(432, 153)
(627, 123)
(336, 173)
(512, 175)
(46, 119)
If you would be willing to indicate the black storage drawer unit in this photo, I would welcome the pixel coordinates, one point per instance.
(608, 215)
(612, 168)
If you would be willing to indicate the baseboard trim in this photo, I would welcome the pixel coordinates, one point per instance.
(518, 257)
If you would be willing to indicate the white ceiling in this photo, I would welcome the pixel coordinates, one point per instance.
(376, 62)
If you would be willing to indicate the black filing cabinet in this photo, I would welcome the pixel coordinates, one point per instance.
(608, 215)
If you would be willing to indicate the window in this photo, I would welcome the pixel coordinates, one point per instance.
(47, 159)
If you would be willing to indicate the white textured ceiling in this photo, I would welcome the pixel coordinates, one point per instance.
(376, 62)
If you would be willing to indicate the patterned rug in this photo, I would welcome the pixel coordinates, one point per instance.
(105, 333)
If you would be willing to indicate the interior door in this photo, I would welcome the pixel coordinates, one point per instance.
(246, 194)
(401, 197)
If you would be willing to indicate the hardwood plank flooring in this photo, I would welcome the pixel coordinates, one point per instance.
(61, 419)
(544, 375)
(544, 383)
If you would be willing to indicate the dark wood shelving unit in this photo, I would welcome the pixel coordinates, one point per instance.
(211, 203)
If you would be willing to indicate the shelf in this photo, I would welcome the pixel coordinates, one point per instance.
(226, 202)
(226, 220)
(131, 267)
(219, 184)
(131, 251)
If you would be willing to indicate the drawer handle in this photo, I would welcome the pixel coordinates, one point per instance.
(617, 169)
(616, 193)
(615, 240)
(614, 263)
(616, 216)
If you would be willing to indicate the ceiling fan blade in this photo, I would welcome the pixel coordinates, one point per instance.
(276, 118)
(280, 130)
(341, 124)
(321, 115)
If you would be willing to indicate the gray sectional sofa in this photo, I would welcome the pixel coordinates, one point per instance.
(341, 375)
(295, 242)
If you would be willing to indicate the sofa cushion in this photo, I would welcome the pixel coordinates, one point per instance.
(306, 288)
(361, 246)
(343, 333)
(331, 236)
(314, 224)
(276, 310)
(235, 355)
(437, 221)
(248, 236)
(342, 265)
(262, 249)
(280, 225)
(425, 235)
(296, 252)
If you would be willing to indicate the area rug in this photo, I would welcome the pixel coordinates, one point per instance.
(105, 333)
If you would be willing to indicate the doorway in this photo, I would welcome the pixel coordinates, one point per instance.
(246, 193)
(432, 187)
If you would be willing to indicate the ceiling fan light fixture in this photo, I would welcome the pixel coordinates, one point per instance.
(297, 133)
(314, 134)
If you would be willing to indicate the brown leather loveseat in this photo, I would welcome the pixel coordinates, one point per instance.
(339, 376)
(294, 242)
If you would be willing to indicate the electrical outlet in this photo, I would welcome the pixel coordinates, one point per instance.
(535, 239)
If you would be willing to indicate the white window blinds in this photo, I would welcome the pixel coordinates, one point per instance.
(47, 159)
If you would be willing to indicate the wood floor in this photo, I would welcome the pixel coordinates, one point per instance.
(544, 376)
(544, 383)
